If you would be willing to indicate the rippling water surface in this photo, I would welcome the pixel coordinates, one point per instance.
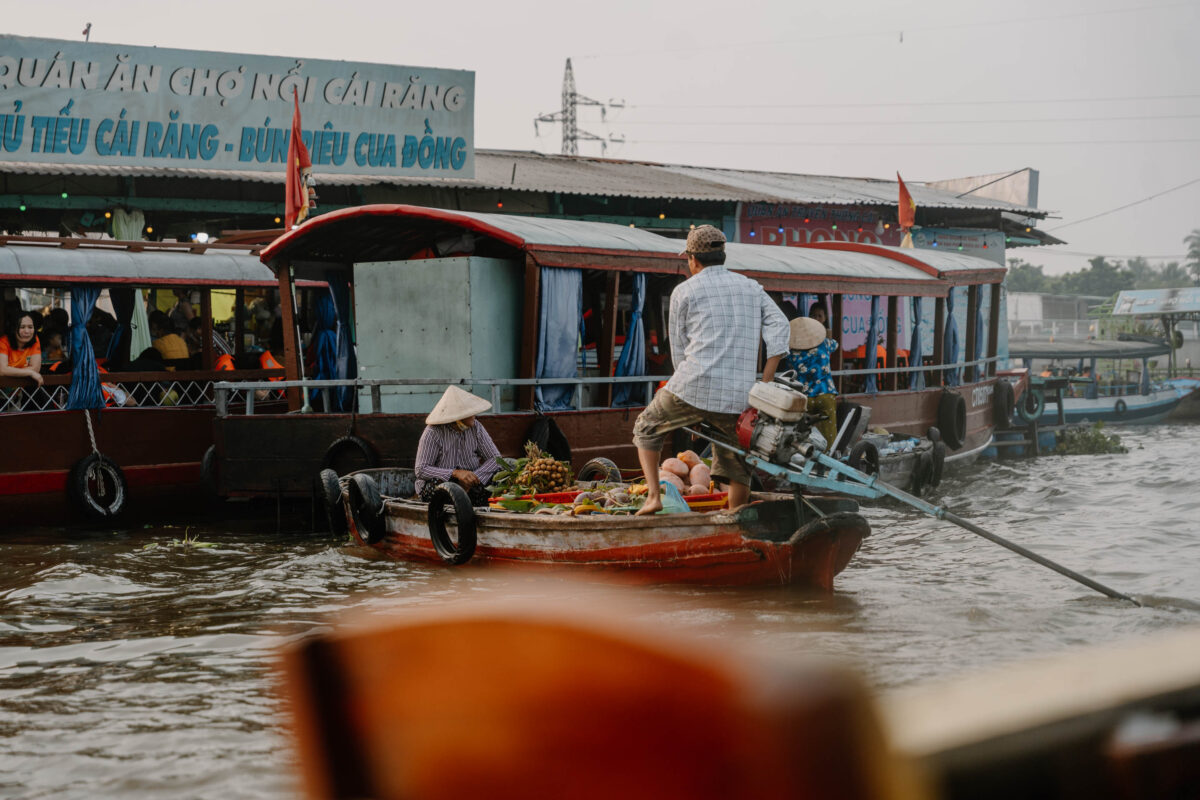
(134, 666)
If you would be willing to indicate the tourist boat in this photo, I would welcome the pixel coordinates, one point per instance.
(102, 458)
(499, 304)
(1088, 394)
(776, 540)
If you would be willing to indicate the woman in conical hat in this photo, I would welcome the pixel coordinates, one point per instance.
(455, 447)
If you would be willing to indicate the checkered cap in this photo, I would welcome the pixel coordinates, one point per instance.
(704, 239)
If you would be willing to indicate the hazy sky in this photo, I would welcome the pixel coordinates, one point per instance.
(1101, 97)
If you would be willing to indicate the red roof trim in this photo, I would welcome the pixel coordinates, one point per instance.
(957, 277)
(270, 252)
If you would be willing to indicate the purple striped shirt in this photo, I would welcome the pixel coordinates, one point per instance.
(444, 448)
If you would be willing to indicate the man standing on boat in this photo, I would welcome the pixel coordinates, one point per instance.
(717, 319)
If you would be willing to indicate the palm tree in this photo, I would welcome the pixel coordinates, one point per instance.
(1192, 240)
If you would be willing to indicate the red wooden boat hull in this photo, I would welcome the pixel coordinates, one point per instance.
(760, 545)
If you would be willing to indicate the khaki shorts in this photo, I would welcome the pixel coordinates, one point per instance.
(667, 413)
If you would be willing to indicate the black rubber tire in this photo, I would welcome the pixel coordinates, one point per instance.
(1002, 404)
(366, 505)
(208, 470)
(864, 457)
(330, 491)
(933, 434)
(1177, 339)
(349, 454)
(1032, 405)
(1120, 407)
(600, 469)
(952, 419)
(921, 475)
(97, 487)
(937, 464)
(464, 515)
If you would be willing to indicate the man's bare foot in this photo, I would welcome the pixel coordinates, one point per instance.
(651, 506)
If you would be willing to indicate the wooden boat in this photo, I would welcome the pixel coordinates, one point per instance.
(775, 540)
(476, 319)
(151, 450)
(1117, 399)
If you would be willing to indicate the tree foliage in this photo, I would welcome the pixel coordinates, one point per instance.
(1105, 277)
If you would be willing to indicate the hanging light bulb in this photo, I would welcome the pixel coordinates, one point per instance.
(108, 215)
(662, 216)
(278, 220)
(879, 228)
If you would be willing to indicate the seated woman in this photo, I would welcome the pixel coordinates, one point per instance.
(455, 447)
(809, 358)
(20, 350)
(169, 344)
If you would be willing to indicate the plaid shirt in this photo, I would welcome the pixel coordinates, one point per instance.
(717, 317)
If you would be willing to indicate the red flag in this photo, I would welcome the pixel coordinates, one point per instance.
(908, 209)
(298, 166)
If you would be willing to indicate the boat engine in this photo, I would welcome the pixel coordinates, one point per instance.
(779, 428)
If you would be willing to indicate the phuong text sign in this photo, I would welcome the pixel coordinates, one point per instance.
(89, 103)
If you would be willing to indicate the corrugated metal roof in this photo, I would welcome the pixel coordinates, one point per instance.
(538, 172)
(396, 232)
(43, 265)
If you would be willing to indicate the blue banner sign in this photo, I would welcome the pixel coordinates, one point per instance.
(65, 102)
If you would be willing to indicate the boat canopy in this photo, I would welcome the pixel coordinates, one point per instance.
(1089, 348)
(398, 232)
(1148, 302)
(29, 261)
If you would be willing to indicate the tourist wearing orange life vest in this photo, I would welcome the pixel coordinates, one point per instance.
(20, 350)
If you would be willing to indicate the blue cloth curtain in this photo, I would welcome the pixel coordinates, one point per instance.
(1145, 376)
(85, 375)
(950, 342)
(916, 380)
(633, 355)
(870, 386)
(347, 363)
(558, 335)
(324, 343)
(1089, 391)
(978, 371)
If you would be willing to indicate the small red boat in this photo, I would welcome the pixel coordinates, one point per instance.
(773, 541)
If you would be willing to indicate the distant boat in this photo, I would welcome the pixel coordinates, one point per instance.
(1086, 396)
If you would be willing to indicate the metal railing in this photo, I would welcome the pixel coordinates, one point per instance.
(160, 391)
(226, 393)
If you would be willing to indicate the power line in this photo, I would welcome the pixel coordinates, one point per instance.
(1124, 98)
(1059, 252)
(896, 31)
(1127, 205)
(696, 123)
(885, 145)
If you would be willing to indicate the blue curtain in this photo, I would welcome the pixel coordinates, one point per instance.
(558, 335)
(85, 375)
(979, 371)
(1089, 391)
(916, 380)
(1145, 376)
(633, 355)
(950, 342)
(324, 343)
(870, 348)
(347, 364)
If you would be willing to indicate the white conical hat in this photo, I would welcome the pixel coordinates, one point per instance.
(806, 334)
(456, 404)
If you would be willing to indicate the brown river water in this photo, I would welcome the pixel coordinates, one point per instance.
(134, 667)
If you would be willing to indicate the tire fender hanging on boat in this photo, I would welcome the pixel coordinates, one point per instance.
(864, 457)
(97, 486)
(349, 446)
(952, 419)
(366, 505)
(330, 490)
(1120, 407)
(451, 494)
(1003, 401)
(1032, 405)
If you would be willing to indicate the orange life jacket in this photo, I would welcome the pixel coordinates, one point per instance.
(224, 363)
(267, 361)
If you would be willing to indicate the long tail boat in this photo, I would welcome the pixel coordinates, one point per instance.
(773, 541)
